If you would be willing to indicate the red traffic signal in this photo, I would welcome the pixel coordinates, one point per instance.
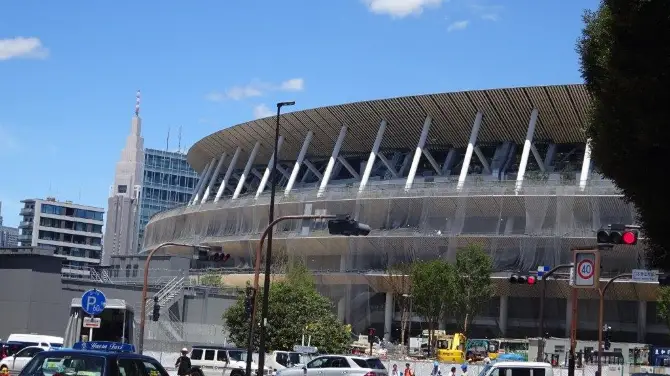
(371, 331)
(520, 279)
(617, 234)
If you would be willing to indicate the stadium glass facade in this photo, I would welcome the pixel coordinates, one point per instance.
(509, 169)
(168, 182)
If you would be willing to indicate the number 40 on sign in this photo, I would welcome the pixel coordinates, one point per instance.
(586, 268)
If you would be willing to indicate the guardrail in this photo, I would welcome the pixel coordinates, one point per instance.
(444, 187)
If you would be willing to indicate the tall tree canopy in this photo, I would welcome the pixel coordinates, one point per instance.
(294, 308)
(471, 284)
(625, 62)
(431, 291)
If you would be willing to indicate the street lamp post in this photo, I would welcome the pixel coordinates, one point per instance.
(145, 287)
(343, 226)
(601, 314)
(271, 218)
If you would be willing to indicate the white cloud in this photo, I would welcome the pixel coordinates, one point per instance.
(262, 111)
(400, 8)
(21, 47)
(487, 12)
(294, 84)
(255, 89)
(458, 25)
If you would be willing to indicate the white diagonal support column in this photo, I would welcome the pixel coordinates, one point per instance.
(372, 157)
(525, 153)
(538, 158)
(229, 173)
(331, 161)
(586, 166)
(205, 179)
(268, 170)
(215, 175)
(418, 153)
(198, 184)
(432, 161)
(245, 173)
(313, 169)
(298, 163)
(468, 151)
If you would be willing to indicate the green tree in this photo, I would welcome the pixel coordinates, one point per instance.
(471, 287)
(430, 292)
(211, 279)
(294, 308)
(663, 305)
(625, 51)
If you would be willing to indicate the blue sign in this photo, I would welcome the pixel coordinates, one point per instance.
(93, 302)
(104, 346)
(541, 270)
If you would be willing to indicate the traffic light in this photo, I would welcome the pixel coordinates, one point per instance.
(344, 225)
(522, 279)
(618, 234)
(664, 280)
(156, 314)
(249, 302)
(219, 257)
(606, 331)
(371, 335)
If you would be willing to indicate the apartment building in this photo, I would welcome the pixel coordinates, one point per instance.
(8, 235)
(73, 231)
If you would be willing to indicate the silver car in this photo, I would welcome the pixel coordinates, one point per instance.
(338, 365)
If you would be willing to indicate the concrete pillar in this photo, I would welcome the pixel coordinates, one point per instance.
(525, 153)
(586, 167)
(502, 319)
(373, 156)
(298, 163)
(641, 321)
(213, 178)
(331, 162)
(268, 170)
(468, 151)
(247, 168)
(388, 316)
(568, 317)
(341, 309)
(226, 177)
(418, 153)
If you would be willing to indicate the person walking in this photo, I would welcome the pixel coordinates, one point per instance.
(183, 364)
(408, 370)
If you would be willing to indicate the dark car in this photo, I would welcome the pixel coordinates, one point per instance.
(93, 359)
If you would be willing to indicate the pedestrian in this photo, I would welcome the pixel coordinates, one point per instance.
(395, 371)
(408, 371)
(453, 371)
(436, 369)
(183, 364)
(464, 369)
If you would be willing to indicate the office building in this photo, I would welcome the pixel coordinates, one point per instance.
(8, 235)
(122, 228)
(72, 231)
(168, 181)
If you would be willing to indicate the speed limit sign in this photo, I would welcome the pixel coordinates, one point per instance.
(587, 268)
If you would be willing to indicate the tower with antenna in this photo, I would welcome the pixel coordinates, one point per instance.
(179, 140)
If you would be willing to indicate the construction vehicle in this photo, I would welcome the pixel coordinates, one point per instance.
(450, 348)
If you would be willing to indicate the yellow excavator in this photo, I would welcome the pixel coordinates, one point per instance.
(451, 348)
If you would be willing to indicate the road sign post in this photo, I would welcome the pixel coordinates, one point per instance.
(587, 269)
(644, 275)
(93, 302)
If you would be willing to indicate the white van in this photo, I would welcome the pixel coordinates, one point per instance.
(36, 340)
(517, 369)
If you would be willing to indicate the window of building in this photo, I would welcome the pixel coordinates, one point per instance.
(135, 270)
(122, 189)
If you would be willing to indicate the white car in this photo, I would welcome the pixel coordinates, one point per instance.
(222, 361)
(506, 368)
(338, 365)
(16, 362)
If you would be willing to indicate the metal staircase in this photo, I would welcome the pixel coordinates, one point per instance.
(167, 296)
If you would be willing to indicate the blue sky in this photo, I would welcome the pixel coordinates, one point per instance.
(69, 70)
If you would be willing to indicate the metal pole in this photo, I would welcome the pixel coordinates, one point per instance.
(540, 347)
(601, 316)
(268, 254)
(573, 333)
(257, 272)
(145, 287)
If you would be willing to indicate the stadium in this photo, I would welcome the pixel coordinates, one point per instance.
(508, 169)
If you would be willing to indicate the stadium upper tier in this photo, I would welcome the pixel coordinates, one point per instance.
(507, 168)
